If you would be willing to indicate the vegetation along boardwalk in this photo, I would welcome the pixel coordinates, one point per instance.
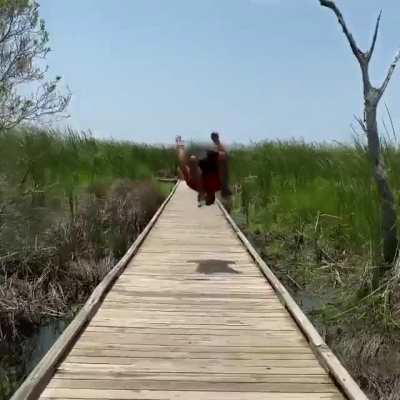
(194, 315)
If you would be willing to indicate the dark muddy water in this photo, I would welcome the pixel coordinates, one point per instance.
(37, 346)
(18, 361)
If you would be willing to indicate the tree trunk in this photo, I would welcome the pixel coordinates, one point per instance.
(388, 210)
(372, 96)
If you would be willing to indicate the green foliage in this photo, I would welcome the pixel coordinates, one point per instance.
(23, 42)
(42, 164)
(294, 184)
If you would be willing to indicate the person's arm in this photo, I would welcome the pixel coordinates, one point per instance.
(216, 140)
(182, 155)
(222, 165)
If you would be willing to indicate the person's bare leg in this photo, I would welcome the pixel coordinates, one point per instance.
(222, 165)
(190, 166)
(196, 176)
(182, 155)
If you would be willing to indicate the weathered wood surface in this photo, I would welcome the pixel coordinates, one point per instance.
(191, 318)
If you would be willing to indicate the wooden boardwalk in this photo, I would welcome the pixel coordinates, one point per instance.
(192, 317)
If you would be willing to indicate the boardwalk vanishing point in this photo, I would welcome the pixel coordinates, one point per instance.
(190, 313)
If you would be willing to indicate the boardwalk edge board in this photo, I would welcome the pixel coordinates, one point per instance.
(324, 354)
(36, 381)
(167, 180)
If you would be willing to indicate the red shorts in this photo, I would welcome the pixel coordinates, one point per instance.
(211, 183)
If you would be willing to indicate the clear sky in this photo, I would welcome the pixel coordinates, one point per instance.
(145, 70)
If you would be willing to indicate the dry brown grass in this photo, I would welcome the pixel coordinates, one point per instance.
(373, 360)
(53, 274)
(72, 257)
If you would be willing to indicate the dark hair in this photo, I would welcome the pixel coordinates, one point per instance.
(209, 164)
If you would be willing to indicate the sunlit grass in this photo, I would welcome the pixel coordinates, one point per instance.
(39, 164)
(293, 184)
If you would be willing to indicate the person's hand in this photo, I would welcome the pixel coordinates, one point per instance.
(215, 137)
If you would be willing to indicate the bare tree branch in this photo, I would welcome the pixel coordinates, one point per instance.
(356, 51)
(391, 121)
(7, 33)
(372, 48)
(354, 130)
(389, 74)
(372, 96)
(23, 41)
(361, 123)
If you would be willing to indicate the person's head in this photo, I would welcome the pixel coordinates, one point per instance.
(209, 164)
(210, 198)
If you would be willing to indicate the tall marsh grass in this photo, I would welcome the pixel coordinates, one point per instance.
(330, 187)
(38, 163)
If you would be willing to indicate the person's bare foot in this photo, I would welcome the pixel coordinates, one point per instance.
(200, 200)
(215, 138)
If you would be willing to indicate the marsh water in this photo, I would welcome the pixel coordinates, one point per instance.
(37, 346)
(19, 361)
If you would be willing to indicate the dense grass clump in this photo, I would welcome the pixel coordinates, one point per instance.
(39, 163)
(297, 184)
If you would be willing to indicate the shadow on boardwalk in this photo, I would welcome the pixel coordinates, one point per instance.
(214, 267)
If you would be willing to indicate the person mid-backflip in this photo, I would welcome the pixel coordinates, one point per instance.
(207, 175)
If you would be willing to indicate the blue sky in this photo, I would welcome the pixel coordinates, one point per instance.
(145, 70)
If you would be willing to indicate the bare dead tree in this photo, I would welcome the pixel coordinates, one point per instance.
(23, 42)
(372, 96)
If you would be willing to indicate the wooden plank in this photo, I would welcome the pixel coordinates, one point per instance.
(176, 295)
(209, 386)
(195, 348)
(201, 363)
(34, 383)
(183, 330)
(191, 290)
(176, 316)
(199, 307)
(115, 313)
(196, 367)
(186, 311)
(193, 285)
(124, 297)
(57, 393)
(268, 326)
(118, 352)
(210, 340)
(196, 308)
(195, 377)
(223, 280)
